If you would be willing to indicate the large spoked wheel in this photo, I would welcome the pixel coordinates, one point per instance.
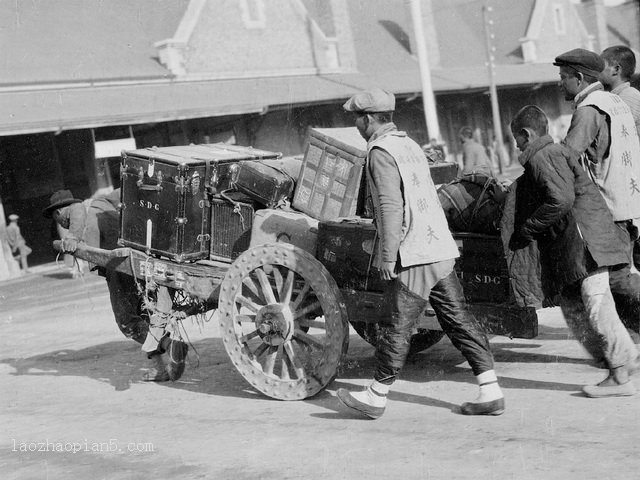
(283, 321)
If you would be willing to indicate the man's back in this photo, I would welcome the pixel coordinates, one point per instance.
(474, 158)
(631, 97)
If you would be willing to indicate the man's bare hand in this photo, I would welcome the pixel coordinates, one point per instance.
(69, 245)
(388, 271)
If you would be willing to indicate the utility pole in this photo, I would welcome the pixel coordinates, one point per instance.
(493, 93)
(428, 99)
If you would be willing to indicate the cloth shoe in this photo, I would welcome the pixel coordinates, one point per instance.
(610, 387)
(177, 352)
(493, 407)
(371, 402)
(490, 399)
(157, 373)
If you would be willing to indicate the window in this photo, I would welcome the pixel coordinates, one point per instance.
(558, 19)
(253, 13)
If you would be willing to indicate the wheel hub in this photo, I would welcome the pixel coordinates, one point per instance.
(274, 323)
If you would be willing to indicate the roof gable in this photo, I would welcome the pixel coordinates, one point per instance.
(242, 38)
(47, 41)
(461, 30)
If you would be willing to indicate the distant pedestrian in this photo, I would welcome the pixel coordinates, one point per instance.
(416, 257)
(474, 155)
(558, 206)
(17, 243)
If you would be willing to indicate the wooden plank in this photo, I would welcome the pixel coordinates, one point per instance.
(200, 279)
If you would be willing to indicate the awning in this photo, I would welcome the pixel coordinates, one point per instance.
(57, 109)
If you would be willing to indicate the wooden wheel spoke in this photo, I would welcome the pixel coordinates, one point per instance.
(245, 302)
(308, 309)
(277, 276)
(293, 359)
(308, 339)
(284, 370)
(305, 334)
(248, 336)
(271, 360)
(253, 288)
(246, 318)
(306, 322)
(260, 350)
(267, 291)
(301, 296)
(287, 288)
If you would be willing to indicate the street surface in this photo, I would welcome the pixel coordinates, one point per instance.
(70, 381)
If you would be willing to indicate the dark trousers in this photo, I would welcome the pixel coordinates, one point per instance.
(126, 305)
(625, 286)
(447, 300)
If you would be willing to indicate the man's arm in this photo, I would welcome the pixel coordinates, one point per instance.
(586, 122)
(555, 185)
(386, 178)
(77, 226)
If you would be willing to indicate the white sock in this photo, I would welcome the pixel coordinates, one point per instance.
(489, 388)
(375, 394)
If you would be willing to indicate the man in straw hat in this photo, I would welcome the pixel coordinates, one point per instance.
(416, 257)
(96, 223)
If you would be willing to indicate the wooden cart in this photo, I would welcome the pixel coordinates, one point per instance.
(283, 318)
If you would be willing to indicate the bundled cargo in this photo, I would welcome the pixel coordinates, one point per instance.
(165, 196)
(331, 174)
(470, 204)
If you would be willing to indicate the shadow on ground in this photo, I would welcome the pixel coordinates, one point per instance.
(210, 371)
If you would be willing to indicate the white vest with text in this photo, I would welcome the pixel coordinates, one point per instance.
(425, 233)
(618, 174)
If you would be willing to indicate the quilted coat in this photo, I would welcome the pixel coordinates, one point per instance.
(561, 208)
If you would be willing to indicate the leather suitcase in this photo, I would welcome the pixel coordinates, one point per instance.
(275, 225)
(345, 248)
(443, 172)
(231, 224)
(264, 183)
(482, 268)
(331, 174)
(165, 196)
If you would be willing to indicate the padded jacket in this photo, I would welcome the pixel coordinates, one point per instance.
(559, 206)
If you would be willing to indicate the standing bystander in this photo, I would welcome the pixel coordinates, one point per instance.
(474, 156)
(17, 243)
(416, 256)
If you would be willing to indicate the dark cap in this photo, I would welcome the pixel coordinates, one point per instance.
(59, 199)
(371, 101)
(584, 61)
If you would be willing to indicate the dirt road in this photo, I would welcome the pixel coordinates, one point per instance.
(70, 381)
